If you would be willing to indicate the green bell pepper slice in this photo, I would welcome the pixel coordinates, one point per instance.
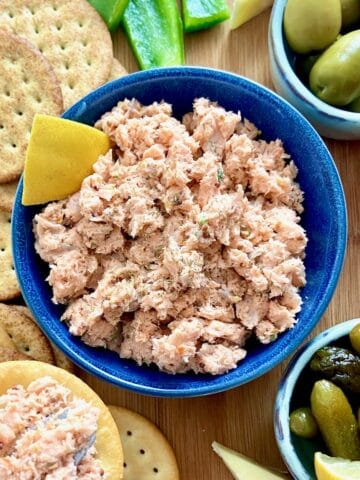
(154, 29)
(110, 10)
(200, 14)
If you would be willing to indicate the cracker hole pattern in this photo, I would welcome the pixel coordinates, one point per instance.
(124, 464)
(155, 470)
(10, 14)
(129, 433)
(142, 451)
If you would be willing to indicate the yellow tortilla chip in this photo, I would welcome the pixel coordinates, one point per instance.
(61, 153)
(108, 444)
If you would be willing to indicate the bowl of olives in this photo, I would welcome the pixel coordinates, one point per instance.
(317, 408)
(314, 49)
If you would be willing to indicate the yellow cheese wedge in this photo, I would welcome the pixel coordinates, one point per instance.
(245, 10)
(241, 467)
(60, 155)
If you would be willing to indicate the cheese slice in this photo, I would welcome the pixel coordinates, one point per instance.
(242, 467)
(61, 153)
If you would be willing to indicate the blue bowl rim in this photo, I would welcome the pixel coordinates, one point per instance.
(282, 61)
(341, 240)
(286, 388)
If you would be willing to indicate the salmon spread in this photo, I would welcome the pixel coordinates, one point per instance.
(47, 434)
(183, 243)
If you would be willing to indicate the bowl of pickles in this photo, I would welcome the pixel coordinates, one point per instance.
(317, 408)
(314, 49)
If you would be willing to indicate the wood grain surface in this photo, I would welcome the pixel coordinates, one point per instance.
(241, 418)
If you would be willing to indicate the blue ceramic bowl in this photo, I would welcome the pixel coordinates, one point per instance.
(329, 121)
(294, 392)
(324, 220)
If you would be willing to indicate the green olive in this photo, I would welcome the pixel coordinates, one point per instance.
(355, 106)
(350, 12)
(355, 338)
(303, 423)
(311, 24)
(335, 77)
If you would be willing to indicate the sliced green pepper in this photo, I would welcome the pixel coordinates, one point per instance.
(200, 14)
(154, 29)
(110, 10)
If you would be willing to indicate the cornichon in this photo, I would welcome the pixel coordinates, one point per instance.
(339, 365)
(335, 420)
(110, 10)
(154, 29)
(200, 14)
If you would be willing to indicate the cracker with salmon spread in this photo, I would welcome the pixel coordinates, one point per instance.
(147, 453)
(61, 360)
(9, 287)
(28, 85)
(71, 35)
(65, 405)
(25, 334)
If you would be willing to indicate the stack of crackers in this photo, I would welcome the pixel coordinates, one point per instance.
(52, 53)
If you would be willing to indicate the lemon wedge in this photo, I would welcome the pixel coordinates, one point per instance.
(332, 468)
(241, 467)
(245, 10)
(60, 155)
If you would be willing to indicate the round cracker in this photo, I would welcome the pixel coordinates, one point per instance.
(25, 334)
(61, 360)
(147, 453)
(8, 350)
(71, 35)
(107, 443)
(7, 195)
(28, 85)
(9, 287)
(117, 70)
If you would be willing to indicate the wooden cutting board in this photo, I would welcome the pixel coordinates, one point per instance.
(241, 418)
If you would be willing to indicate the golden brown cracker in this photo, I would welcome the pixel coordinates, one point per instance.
(61, 360)
(8, 351)
(28, 85)
(9, 287)
(147, 453)
(25, 334)
(71, 35)
(7, 195)
(117, 70)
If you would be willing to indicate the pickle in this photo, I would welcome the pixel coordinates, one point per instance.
(355, 338)
(339, 365)
(302, 423)
(335, 420)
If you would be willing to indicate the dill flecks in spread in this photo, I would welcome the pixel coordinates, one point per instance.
(183, 243)
(47, 433)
